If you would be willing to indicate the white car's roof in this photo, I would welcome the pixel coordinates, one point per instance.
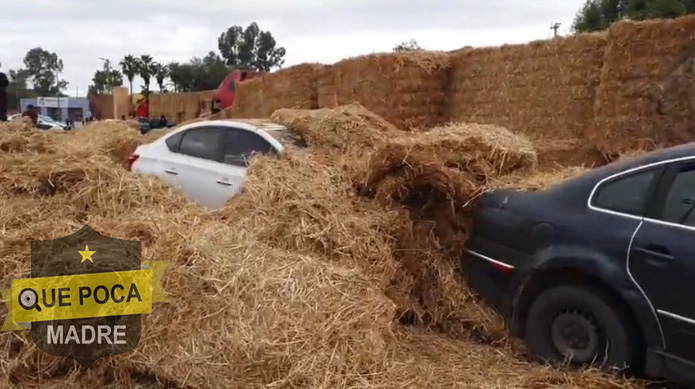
(277, 131)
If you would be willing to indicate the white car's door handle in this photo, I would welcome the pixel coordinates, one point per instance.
(171, 171)
(225, 183)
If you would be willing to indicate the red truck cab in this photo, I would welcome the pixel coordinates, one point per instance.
(225, 93)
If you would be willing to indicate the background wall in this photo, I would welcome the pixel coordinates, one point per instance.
(179, 107)
(583, 98)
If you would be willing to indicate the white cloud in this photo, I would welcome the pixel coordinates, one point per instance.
(81, 31)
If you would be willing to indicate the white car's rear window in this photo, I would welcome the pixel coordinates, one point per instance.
(288, 138)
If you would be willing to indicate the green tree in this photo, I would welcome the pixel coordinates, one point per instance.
(129, 68)
(407, 46)
(208, 72)
(198, 74)
(590, 18)
(43, 69)
(597, 15)
(161, 72)
(105, 80)
(18, 89)
(179, 74)
(250, 48)
(19, 78)
(146, 69)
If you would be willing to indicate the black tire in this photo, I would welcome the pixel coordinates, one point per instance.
(584, 326)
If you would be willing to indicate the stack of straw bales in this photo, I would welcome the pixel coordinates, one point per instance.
(543, 89)
(578, 98)
(325, 85)
(406, 89)
(644, 99)
(293, 87)
(180, 106)
(297, 282)
(102, 104)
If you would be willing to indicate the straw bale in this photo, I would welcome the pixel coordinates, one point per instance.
(302, 204)
(103, 105)
(346, 126)
(205, 101)
(160, 103)
(115, 139)
(180, 107)
(407, 89)
(293, 87)
(438, 173)
(325, 85)
(121, 101)
(544, 89)
(536, 180)
(19, 135)
(435, 176)
(646, 86)
(553, 154)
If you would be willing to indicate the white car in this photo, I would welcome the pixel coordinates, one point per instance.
(44, 122)
(207, 160)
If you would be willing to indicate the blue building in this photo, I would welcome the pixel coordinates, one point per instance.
(59, 108)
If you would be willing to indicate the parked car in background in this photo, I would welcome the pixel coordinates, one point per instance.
(599, 269)
(44, 122)
(145, 125)
(50, 120)
(207, 160)
(149, 124)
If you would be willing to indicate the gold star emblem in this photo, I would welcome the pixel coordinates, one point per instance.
(86, 254)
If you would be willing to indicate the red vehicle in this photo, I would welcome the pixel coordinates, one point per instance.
(224, 96)
(142, 110)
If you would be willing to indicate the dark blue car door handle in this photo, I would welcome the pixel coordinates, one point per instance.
(655, 253)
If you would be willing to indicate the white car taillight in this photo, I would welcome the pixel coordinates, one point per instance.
(131, 160)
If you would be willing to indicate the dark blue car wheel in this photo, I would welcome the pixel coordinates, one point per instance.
(581, 325)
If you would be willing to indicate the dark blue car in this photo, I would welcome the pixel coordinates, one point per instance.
(599, 269)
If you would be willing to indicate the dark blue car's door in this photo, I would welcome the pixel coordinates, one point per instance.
(662, 258)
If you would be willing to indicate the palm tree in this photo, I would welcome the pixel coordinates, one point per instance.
(161, 72)
(146, 69)
(129, 67)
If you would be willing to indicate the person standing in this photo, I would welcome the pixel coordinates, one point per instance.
(4, 83)
(32, 113)
(163, 123)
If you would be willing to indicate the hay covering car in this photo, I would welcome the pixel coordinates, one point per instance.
(44, 122)
(208, 159)
(304, 278)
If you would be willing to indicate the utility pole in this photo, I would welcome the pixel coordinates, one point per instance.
(107, 69)
(555, 27)
(107, 64)
(60, 109)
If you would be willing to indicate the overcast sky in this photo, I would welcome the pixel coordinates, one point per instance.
(81, 31)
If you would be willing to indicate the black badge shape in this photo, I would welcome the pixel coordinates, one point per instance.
(59, 257)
